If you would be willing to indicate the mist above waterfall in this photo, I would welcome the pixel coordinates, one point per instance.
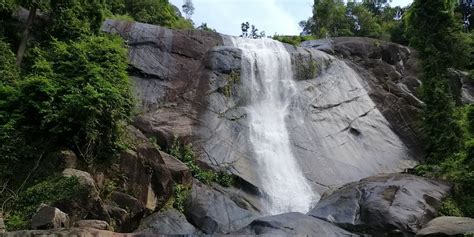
(268, 84)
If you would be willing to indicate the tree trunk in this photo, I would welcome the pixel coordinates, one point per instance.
(26, 35)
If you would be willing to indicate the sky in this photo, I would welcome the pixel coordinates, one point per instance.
(272, 16)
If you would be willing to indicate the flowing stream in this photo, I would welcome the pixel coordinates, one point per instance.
(267, 78)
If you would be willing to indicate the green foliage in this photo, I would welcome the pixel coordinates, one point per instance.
(8, 70)
(77, 96)
(74, 18)
(449, 207)
(46, 192)
(294, 40)
(186, 155)
(457, 168)
(308, 69)
(180, 195)
(430, 27)
(108, 187)
(330, 19)
(232, 80)
(367, 19)
(254, 32)
(204, 27)
(6, 5)
(158, 12)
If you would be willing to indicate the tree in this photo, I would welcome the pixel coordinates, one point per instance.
(33, 6)
(204, 27)
(330, 19)
(74, 18)
(77, 95)
(253, 34)
(188, 8)
(306, 26)
(158, 12)
(431, 28)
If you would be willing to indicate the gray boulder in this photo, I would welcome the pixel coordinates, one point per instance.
(49, 217)
(179, 171)
(448, 226)
(168, 222)
(383, 204)
(213, 212)
(86, 204)
(95, 224)
(293, 224)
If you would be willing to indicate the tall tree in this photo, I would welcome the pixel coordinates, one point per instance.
(33, 6)
(188, 8)
(431, 27)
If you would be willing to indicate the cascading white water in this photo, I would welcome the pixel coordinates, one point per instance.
(267, 79)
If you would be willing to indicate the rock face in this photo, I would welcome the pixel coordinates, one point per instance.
(189, 85)
(389, 74)
(384, 203)
(169, 222)
(448, 226)
(213, 212)
(49, 217)
(293, 224)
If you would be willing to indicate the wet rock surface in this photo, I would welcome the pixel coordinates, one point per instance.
(293, 224)
(168, 222)
(213, 212)
(188, 82)
(383, 204)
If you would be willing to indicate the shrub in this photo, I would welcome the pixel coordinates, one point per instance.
(47, 192)
(186, 155)
(181, 193)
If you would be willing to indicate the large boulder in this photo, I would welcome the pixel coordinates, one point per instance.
(95, 224)
(179, 171)
(49, 217)
(292, 224)
(168, 222)
(135, 210)
(213, 212)
(86, 204)
(448, 226)
(383, 204)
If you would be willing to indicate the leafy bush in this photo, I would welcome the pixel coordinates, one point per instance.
(294, 40)
(186, 155)
(449, 207)
(181, 193)
(75, 18)
(8, 70)
(47, 192)
(157, 12)
(77, 96)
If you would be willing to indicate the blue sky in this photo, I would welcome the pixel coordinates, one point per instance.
(272, 16)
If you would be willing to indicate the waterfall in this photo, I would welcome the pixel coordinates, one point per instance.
(267, 79)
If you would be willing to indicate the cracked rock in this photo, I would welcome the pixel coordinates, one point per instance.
(383, 204)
